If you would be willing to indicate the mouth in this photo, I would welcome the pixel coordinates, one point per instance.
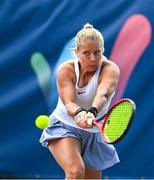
(93, 65)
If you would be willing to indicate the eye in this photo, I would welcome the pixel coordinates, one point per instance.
(97, 53)
(87, 53)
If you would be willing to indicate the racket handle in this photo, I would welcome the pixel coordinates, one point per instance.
(90, 121)
(98, 124)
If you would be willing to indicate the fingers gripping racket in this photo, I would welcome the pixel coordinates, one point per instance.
(116, 121)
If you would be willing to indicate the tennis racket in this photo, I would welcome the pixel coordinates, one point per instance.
(116, 121)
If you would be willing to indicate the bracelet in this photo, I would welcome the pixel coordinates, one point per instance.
(79, 110)
(93, 110)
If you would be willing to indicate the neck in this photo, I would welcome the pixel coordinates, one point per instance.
(84, 72)
(85, 76)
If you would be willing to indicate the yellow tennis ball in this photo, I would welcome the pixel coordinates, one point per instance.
(42, 121)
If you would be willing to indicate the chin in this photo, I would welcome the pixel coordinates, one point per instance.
(92, 68)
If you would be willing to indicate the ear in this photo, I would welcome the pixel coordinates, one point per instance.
(76, 52)
(103, 49)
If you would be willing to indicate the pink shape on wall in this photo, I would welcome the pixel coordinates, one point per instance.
(130, 44)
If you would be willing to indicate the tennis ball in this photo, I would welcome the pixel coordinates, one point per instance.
(42, 121)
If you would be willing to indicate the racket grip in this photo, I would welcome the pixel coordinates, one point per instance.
(90, 121)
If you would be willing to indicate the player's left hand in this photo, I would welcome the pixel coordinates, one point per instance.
(89, 118)
(81, 119)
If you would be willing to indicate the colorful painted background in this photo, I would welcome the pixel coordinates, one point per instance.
(35, 37)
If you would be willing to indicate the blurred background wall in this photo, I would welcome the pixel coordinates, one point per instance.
(35, 37)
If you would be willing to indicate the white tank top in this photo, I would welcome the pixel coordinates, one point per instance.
(85, 97)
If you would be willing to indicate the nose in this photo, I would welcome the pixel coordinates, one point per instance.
(92, 57)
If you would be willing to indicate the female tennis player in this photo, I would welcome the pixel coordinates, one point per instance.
(86, 86)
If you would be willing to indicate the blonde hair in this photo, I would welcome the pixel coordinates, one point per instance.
(89, 32)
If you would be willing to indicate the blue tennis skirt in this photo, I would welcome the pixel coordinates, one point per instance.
(96, 154)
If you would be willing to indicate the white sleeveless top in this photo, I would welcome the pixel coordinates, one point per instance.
(85, 97)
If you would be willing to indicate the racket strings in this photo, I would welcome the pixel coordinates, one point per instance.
(118, 120)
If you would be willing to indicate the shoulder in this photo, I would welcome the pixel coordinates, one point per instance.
(109, 70)
(68, 65)
(110, 66)
(66, 70)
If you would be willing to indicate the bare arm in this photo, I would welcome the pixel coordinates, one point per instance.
(66, 88)
(108, 81)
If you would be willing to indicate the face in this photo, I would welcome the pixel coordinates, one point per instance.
(89, 54)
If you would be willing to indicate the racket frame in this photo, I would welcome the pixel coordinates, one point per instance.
(105, 118)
